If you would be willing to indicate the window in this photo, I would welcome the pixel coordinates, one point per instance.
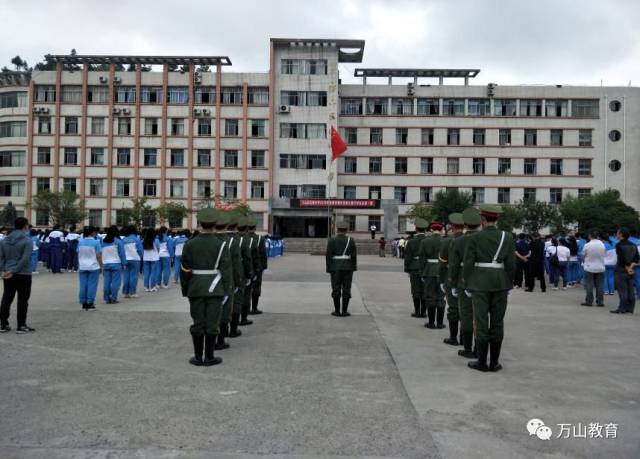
(375, 136)
(45, 93)
(402, 106)
(70, 156)
(151, 126)
(615, 105)
(478, 166)
(149, 220)
(230, 189)
(70, 125)
(504, 195)
(316, 98)
(556, 137)
(44, 125)
(585, 108)
(349, 192)
(584, 167)
(530, 107)
(453, 166)
(479, 107)
(316, 66)
(556, 167)
(203, 188)
(303, 66)
(375, 220)
(530, 137)
(13, 99)
(556, 107)
(204, 127)
(453, 107)
(72, 94)
(426, 165)
(377, 106)
(314, 191)
(584, 192)
(453, 136)
(296, 161)
(375, 165)
(504, 107)
(584, 137)
(177, 126)
(98, 94)
(13, 129)
(351, 220)
(177, 157)
(529, 194)
(42, 218)
(615, 135)
(294, 98)
(426, 193)
(316, 131)
(504, 137)
(258, 96)
(43, 184)
(97, 157)
(97, 126)
(375, 192)
(95, 187)
(44, 156)
(149, 187)
(615, 165)
(122, 187)
(289, 191)
(479, 136)
(291, 66)
(150, 157)
(231, 128)
(257, 159)
(231, 96)
(258, 128)
(178, 95)
(350, 106)
(124, 126)
(350, 135)
(350, 165)
(69, 184)
(125, 94)
(176, 188)
(151, 94)
(400, 194)
(204, 158)
(230, 158)
(555, 195)
(291, 131)
(95, 217)
(124, 157)
(504, 166)
(428, 106)
(426, 136)
(204, 95)
(402, 135)
(477, 195)
(12, 158)
(530, 166)
(401, 165)
(257, 190)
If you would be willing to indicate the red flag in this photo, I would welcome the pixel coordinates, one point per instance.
(337, 144)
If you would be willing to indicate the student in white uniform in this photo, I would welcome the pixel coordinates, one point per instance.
(151, 260)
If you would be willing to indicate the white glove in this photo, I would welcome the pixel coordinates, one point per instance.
(468, 293)
(454, 292)
(224, 300)
(442, 287)
(247, 283)
(255, 277)
(236, 290)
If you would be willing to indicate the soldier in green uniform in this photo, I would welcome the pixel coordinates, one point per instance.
(229, 309)
(206, 279)
(413, 266)
(456, 225)
(248, 256)
(471, 218)
(489, 268)
(342, 261)
(224, 218)
(246, 270)
(259, 265)
(434, 298)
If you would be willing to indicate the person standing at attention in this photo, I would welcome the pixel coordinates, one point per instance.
(522, 260)
(89, 266)
(372, 230)
(341, 260)
(628, 258)
(381, 246)
(150, 258)
(536, 264)
(414, 266)
(610, 262)
(593, 254)
(133, 252)
(114, 262)
(164, 254)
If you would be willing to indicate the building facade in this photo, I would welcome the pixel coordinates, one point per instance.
(184, 129)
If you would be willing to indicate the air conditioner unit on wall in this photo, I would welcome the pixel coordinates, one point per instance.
(126, 111)
(43, 110)
(104, 79)
(284, 109)
(116, 111)
(206, 111)
(117, 79)
(196, 111)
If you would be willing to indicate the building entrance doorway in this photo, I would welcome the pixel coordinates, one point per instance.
(301, 227)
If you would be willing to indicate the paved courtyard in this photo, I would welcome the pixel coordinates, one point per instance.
(300, 383)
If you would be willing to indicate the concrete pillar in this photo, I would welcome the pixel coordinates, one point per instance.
(441, 81)
(390, 218)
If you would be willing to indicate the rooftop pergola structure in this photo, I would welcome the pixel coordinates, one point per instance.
(78, 59)
(441, 74)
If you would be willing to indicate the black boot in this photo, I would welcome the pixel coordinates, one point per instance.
(416, 307)
(198, 345)
(467, 342)
(222, 333)
(254, 305)
(423, 308)
(345, 307)
(453, 333)
(245, 313)
(432, 317)
(234, 332)
(481, 363)
(440, 318)
(494, 356)
(209, 345)
(336, 307)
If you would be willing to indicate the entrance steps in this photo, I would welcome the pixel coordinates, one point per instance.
(318, 246)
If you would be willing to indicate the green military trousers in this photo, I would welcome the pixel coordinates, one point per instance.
(205, 312)
(452, 306)
(227, 308)
(341, 284)
(417, 288)
(465, 310)
(256, 284)
(488, 314)
(433, 296)
(238, 299)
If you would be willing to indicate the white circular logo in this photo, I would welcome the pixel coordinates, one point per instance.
(536, 427)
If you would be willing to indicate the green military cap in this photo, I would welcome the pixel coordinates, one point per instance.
(456, 219)
(491, 210)
(471, 216)
(208, 215)
(234, 218)
(242, 221)
(421, 223)
(342, 225)
(223, 218)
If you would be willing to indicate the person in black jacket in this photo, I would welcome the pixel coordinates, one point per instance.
(628, 258)
(535, 264)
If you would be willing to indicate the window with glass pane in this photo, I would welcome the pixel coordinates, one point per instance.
(479, 136)
(151, 126)
(204, 95)
(123, 157)
(530, 166)
(584, 167)
(453, 107)
(479, 107)
(203, 188)
(478, 166)
(12, 158)
(257, 159)
(316, 66)
(530, 107)
(70, 125)
(177, 157)
(95, 217)
(428, 106)
(375, 192)
(504, 165)
(313, 191)
(584, 137)
(69, 184)
(232, 95)
(149, 187)
(556, 137)
(504, 137)
(44, 156)
(351, 221)
(401, 165)
(556, 167)
(124, 126)
(584, 192)
(530, 137)
(178, 95)
(350, 135)
(477, 195)
(453, 166)
(504, 107)
(349, 192)
(177, 126)
(375, 136)
(426, 165)
(426, 193)
(13, 99)
(556, 108)
(350, 106)
(426, 136)
(402, 135)
(402, 106)
(293, 98)
(97, 157)
(400, 194)
(375, 165)
(529, 194)
(257, 190)
(44, 125)
(231, 128)
(125, 94)
(45, 93)
(42, 218)
(72, 94)
(258, 95)
(377, 106)
(585, 108)
(204, 127)
(316, 131)
(122, 217)
(98, 94)
(151, 94)
(555, 195)
(258, 128)
(176, 188)
(291, 131)
(150, 157)
(453, 136)
(290, 66)
(97, 126)
(13, 129)
(230, 158)
(204, 158)
(43, 184)
(288, 191)
(230, 189)
(122, 187)
(504, 195)
(350, 165)
(95, 187)
(70, 156)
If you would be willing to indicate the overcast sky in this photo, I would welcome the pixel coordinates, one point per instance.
(511, 41)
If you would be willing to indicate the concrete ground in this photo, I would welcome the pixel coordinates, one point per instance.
(300, 383)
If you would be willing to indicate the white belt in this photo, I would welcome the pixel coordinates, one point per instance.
(416, 258)
(462, 264)
(433, 260)
(341, 257)
(209, 272)
(489, 265)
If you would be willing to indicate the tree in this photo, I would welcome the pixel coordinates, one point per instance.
(510, 219)
(602, 211)
(534, 215)
(64, 208)
(173, 213)
(449, 201)
(420, 210)
(140, 213)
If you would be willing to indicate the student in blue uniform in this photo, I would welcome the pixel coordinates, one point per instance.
(36, 248)
(56, 250)
(165, 254)
(89, 264)
(71, 252)
(178, 246)
(113, 262)
(151, 260)
(610, 262)
(133, 254)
